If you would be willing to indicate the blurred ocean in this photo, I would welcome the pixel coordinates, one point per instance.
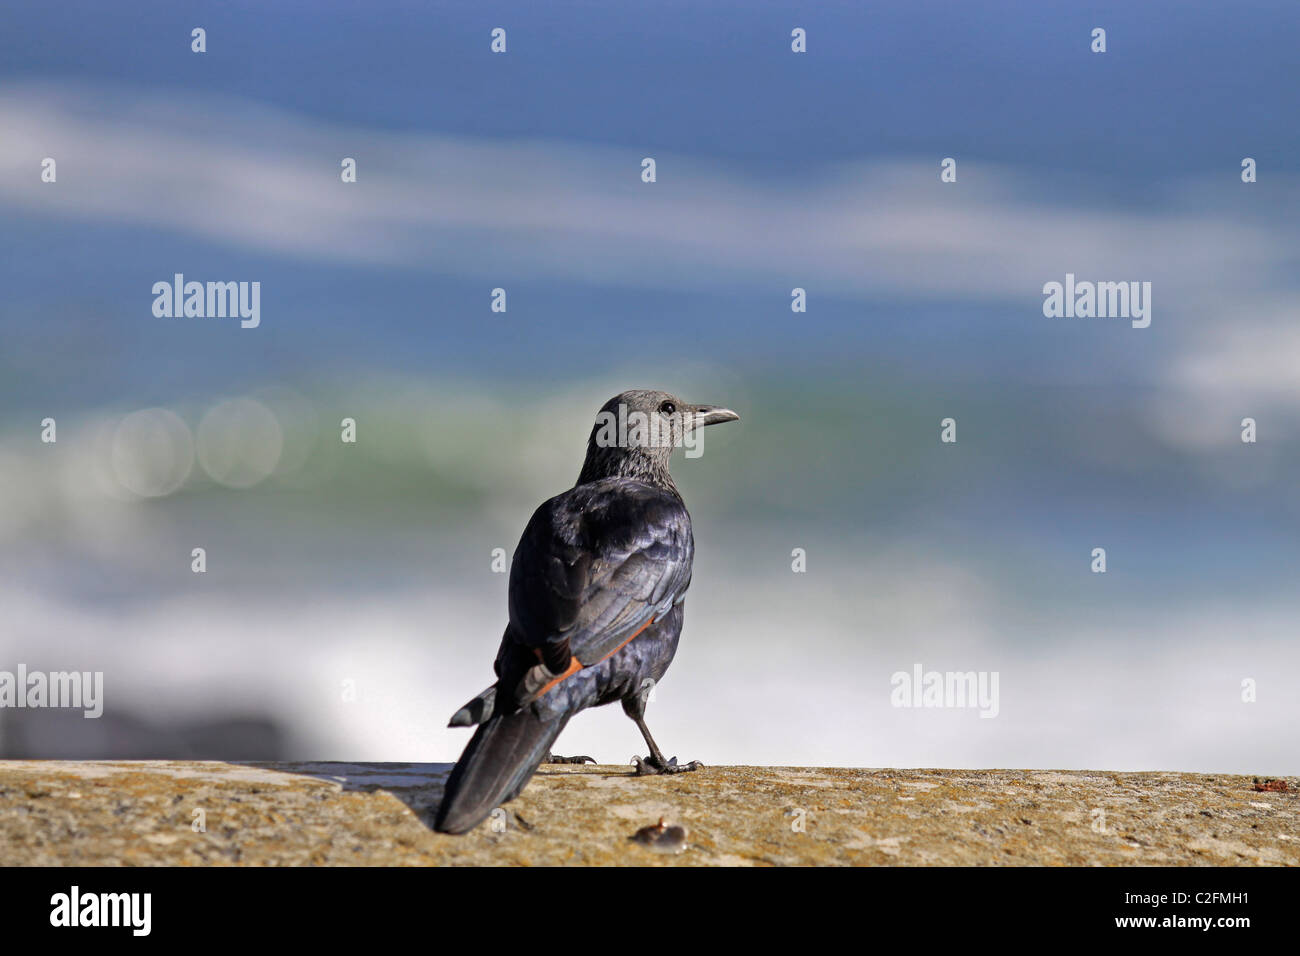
(371, 564)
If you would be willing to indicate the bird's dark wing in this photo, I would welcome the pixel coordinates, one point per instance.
(595, 566)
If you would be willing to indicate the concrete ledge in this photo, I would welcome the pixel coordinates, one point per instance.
(297, 814)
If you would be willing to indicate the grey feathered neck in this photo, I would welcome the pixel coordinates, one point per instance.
(649, 465)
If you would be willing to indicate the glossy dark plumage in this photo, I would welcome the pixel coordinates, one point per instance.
(596, 590)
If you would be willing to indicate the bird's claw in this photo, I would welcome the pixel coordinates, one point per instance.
(555, 758)
(649, 766)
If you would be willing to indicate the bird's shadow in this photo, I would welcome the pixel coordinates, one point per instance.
(418, 785)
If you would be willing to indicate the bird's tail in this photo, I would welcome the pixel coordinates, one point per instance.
(500, 758)
(476, 710)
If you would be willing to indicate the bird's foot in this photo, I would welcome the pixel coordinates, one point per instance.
(556, 758)
(650, 766)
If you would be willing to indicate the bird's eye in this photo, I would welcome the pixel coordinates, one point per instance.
(667, 408)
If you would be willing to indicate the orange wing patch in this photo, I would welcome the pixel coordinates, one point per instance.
(576, 665)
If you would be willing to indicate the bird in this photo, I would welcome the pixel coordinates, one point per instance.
(596, 593)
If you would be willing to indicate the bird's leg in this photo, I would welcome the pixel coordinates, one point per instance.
(556, 758)
(656, 763)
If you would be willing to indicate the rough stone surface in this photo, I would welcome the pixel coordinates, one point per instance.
(295, 814)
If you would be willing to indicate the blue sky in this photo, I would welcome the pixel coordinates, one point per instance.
(1064, 156)
(986, 80)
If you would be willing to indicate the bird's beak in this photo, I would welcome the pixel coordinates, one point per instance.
(713, 415)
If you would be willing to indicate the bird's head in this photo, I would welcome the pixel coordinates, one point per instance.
(636, 431)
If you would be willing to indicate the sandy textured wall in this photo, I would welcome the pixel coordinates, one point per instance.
(334, 813)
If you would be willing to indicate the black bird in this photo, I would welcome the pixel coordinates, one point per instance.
(596, 590)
